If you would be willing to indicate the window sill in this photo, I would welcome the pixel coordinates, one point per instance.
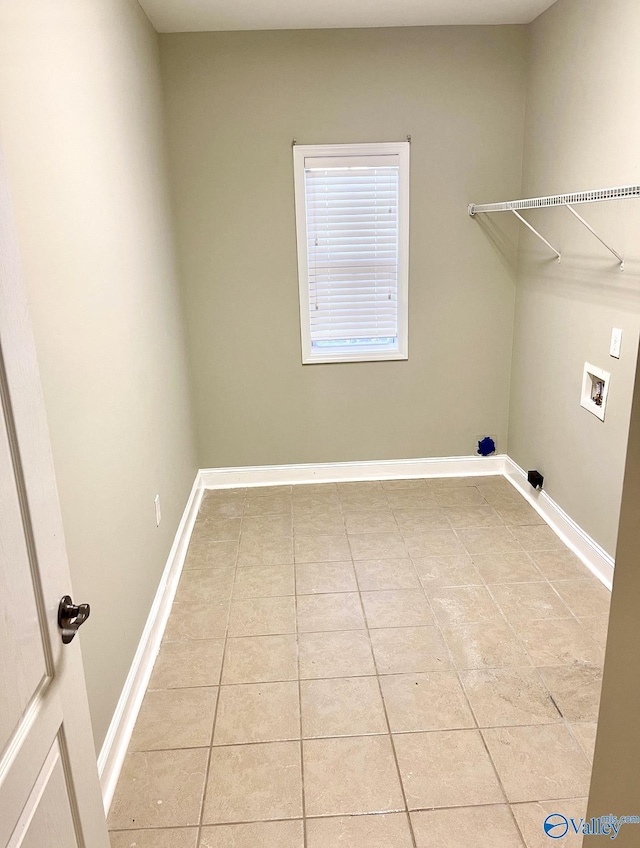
(382, 356)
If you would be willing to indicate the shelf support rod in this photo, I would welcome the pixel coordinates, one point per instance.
(593, 232)
(535, 232)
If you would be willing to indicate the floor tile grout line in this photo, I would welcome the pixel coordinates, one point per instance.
(508, 801)
(387, 721)
(289, 594)
(481, 727)
(215, 714)
(355, 815)
(322, 817)
(393, 627)
(342, 676)
(517, 823)
(301, 743)
(557, 666)
(466, 697)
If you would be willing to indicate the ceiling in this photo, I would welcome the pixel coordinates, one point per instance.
(207, 15)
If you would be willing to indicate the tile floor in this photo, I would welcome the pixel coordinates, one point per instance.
(368, 665)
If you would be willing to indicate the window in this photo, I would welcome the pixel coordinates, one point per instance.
(352, 220)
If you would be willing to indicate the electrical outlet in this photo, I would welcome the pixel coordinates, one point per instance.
(616, 343)
(158, 512)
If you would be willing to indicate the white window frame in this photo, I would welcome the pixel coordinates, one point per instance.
(300, 154)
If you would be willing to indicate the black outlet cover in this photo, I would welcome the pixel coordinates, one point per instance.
(535, 478)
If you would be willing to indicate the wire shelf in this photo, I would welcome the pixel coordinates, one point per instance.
(566, 200)
(594, 196)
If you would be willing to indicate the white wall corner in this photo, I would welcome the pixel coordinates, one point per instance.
(597, 560)
(124, 718)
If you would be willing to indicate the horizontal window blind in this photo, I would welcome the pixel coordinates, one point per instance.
(352, 251)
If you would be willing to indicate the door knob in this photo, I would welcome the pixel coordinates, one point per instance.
(70, 617)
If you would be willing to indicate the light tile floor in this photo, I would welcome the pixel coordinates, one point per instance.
(368, 665)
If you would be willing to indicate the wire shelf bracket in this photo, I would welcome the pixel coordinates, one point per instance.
(569, 201)
(593, 232)
(535, 232)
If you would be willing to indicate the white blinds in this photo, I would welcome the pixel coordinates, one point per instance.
(352, 251)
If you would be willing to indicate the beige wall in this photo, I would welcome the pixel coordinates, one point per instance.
(614, 785)
(234, 102)
(81, 127)
(582, 131)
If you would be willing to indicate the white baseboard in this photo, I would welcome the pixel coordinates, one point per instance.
(332, 472)
(597, 560)
(124, 718)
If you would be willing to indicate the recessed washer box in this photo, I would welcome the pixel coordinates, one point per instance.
(595, 389)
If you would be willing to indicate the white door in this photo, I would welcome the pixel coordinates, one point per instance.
(49, 792)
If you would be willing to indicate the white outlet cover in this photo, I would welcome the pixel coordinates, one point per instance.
(156, 502)
(616, 343)
(595, 382)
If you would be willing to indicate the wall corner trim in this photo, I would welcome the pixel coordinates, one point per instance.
(597, 560)
(118, 736)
